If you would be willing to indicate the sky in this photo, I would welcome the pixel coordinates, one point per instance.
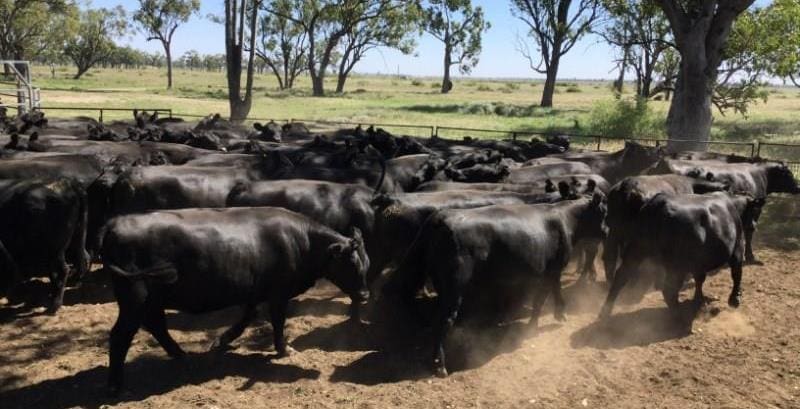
(589, 59)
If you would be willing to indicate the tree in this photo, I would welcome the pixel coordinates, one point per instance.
(700, 29)
(555, 26)
(459, 27)
(641, 30)
(192, 60)
(160, 18)
(31, 28)
(779, 39)
(326, 23)
(282, 44)
(94, 40)
(241, 16)
(394, 29)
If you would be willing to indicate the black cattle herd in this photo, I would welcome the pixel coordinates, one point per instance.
(207, 215)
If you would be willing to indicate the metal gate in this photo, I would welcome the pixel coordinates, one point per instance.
(17, 88)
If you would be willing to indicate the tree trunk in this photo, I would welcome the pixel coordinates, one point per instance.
(689, 117)
(447, 84)
(550, 84)
(620, 83)
(168, 53)
(340, 81)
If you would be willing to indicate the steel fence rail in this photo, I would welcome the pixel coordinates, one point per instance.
(102, 110)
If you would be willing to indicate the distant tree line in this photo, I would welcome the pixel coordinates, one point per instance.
(699, 54)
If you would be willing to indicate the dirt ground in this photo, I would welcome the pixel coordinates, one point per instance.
(745, 358)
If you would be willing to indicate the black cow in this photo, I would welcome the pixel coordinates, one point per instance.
(271, 132)
(143, 189)
(42, 226)
(201, 260)
(530, 174)
(755, 179)
(399, 220)
(687, 235)
(632, 160)
(539, 186)
(338, 206)
(626, 199)
(494, 251)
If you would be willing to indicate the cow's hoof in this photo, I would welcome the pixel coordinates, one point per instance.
(53, 309)
(286, 352)
(734, 301)
(440, 372)
(560, 317)
(219, 347)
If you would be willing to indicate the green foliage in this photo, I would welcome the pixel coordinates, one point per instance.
(36, 30)
(624, 118)
(417, 83)
(573, 89)
(94, 39)
(460, 27)
(485, 88)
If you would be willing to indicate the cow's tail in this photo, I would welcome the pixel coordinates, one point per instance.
(382, 162)
(164, 272)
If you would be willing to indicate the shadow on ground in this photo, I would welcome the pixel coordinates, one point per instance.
(149, 376)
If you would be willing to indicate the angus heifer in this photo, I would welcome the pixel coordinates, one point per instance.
(42, 226)
(201, 260)
(625, 200)
(491, 251)
(632, 160)
(687, 235)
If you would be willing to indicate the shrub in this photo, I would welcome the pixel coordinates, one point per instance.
(435, 85)
(625, 118)
(417, 83)
(485, 88)
(573, 89)
(512, 86)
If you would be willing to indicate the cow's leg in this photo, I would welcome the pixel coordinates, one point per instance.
(558, 299)
(587, 270)
(671, 290)
(236, 330)
(539, 297)
(277, 312)
(156, 324)
(749, 257)
(450, 303)
(128, 322)
(621, 278)
(9, 273)
(611, 250)
(58, 283)
(699, 298)
(736, 293)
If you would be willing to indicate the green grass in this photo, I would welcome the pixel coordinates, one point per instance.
(473, 103)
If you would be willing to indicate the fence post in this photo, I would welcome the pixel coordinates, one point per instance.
(758, 152)
(101, 115)
(599, 141)
(514, 136)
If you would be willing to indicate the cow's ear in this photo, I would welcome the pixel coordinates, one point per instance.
(356, 235)
(591, 185)
(564, 190)
(339, 249)
(549, 186)
(597, 198)
(710, 177)
(258, 127)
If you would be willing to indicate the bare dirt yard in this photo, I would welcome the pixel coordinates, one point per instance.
(745, 358)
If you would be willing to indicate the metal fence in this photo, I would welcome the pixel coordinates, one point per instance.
(102, 110)
(788, 153)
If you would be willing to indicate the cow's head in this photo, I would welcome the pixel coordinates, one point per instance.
(639, 156)
(348, 266)
(780, 179)
(592, 219)
(428, 171)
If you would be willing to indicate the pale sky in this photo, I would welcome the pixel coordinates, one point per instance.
(589, 59)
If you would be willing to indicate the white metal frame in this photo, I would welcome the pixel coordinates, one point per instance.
(26, 96)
